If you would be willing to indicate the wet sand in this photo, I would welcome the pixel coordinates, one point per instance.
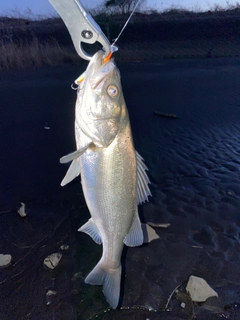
(193, 163)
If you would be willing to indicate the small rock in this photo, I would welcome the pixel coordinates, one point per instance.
(76, 276)
(52, 260)
(199, 290)
(5, 260)
(150, 308)
(22, 211)
(64, 247)
(49, 295)
(51, 292)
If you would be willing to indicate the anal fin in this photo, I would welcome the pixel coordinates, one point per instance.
(134, 237)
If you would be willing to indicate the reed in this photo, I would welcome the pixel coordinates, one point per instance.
(151, 35)
(26, 53)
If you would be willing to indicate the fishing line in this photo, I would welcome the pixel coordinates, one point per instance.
(126, 23)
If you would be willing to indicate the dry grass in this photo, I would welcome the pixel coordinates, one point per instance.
(25, 42)
(21, 54)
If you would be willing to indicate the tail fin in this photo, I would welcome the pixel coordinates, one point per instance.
(110, 279)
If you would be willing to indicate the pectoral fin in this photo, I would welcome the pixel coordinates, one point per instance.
(74, 169)
(72, 173)
(142, 180)
(135, 236)
(91, 229)
(74, 155)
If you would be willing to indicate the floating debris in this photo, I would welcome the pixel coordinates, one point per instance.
(183, 305)
(149, 234)
(22, 209)
(197, 247)
(5, 260)
(165, 115)
(52, 260)
(64, 247)
(199, 290)
(47, 128)
(159, 225)
(170, 297)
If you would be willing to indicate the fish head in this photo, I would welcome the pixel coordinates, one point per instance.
(101, 101)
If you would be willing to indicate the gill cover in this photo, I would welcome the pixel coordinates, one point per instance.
(101, 99)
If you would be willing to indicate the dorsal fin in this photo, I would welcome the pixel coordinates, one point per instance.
(143, 191)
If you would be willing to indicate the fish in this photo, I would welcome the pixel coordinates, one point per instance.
(113, 174)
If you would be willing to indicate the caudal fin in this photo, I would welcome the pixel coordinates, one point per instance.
(110, 279)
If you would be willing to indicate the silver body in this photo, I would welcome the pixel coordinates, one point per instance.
(108, 178)
(112, 173)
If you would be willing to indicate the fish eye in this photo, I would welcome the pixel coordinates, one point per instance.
(112, 91)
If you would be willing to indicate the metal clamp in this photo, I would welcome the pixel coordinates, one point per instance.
(81, 26)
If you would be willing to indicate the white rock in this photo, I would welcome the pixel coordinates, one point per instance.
(51, 293)
(22, 209)
(150, 308)
(152, 235)
(52, 260)
(149, 233)
(64, 247)
(199, 290)
(5, 260)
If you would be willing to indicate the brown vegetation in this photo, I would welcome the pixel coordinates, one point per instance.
(22, 54)
(173, 33)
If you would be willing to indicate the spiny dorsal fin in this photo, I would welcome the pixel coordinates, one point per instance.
(143, 191)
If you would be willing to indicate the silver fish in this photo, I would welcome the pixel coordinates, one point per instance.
(113, 174)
